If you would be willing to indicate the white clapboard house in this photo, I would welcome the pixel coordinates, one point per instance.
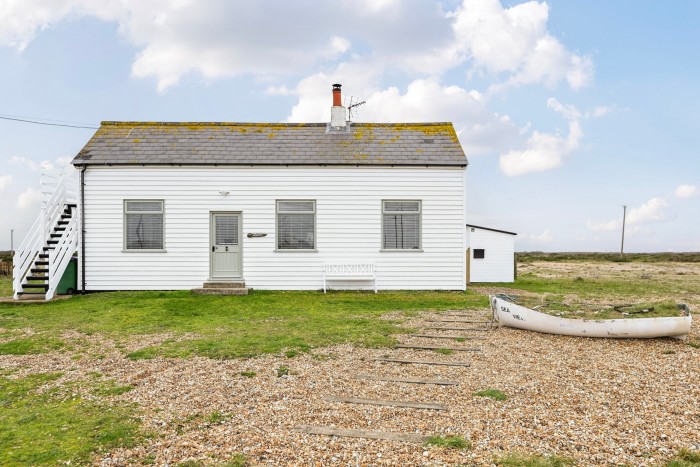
(167, 206)
(490, 254)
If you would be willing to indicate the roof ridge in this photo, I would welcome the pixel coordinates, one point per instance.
(265, 124)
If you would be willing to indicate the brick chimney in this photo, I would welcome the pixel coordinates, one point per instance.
(338, 112)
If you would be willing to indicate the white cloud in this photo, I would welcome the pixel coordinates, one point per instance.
(222, 38)
(30, 164)
(603, 110)
(686, 191)
(515, 41)
(22, 19)
(546, 151)
(44, 166)
(29, 198)
(569, 112)
(608, 226)
(542, 238)
(5, 181)
(653, 210)
(543, 151)
(339, 45)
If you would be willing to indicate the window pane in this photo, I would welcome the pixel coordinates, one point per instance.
(144, 231)
(399, 206)
(140, 206)
(295, 206)
(226, 230)
(401, 231)
(295, 231)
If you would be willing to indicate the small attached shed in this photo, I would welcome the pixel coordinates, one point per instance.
(490, 254)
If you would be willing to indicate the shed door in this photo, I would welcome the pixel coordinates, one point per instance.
(225, 246)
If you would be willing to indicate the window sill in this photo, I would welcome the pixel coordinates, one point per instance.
(402, 251)
(144, 251)
(295, 251)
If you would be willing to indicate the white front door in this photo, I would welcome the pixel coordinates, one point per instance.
(225, 246)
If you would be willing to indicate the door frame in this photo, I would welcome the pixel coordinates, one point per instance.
(212, 239)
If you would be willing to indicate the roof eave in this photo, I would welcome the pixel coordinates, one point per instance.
(269, 164)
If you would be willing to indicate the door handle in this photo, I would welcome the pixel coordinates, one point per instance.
(226, 248)
(213, 249)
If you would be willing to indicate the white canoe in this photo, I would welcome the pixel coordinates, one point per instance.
(508, 313)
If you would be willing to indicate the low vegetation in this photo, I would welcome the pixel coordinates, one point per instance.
(47, 424)
(449, 442)
(492, 393)
(685, 458)
(527, 257)
(30, 345)
(521, 460)
(5, 286)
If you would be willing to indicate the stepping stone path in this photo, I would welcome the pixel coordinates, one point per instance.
(438, 336)
(437, 347)
(452, 317)
(439, 382)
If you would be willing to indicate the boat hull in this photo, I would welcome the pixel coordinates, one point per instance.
(507, 313)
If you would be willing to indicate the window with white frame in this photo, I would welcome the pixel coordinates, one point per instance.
(143, 225)
(401, 225)
(296, 225)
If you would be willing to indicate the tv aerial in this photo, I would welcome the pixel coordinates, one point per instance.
(354, 103)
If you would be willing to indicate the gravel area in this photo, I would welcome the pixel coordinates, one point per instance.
(601, 402)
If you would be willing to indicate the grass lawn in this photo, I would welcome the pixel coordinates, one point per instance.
(5, 286)
(40, 426)
(224, 327)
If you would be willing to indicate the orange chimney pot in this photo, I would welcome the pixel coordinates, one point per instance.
(337, 101)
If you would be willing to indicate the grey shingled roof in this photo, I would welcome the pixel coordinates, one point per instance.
(162, 143)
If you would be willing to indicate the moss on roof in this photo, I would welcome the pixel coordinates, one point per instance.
(430, 144)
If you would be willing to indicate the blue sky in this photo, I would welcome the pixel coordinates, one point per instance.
(567, 109)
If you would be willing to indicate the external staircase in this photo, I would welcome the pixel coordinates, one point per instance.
(44, 255)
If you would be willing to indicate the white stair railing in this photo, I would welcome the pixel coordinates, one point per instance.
(25, 255)
(65, 192)
(63, 251)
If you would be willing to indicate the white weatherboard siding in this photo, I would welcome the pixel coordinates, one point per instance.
(348, 225)
(497, 264)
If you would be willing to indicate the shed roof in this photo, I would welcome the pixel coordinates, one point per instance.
(490, 229)
(220, 143)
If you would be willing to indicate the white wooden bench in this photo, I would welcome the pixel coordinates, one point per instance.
(349, 272)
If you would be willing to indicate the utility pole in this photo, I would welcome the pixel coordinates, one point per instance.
(624, 215)
(12, 242)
